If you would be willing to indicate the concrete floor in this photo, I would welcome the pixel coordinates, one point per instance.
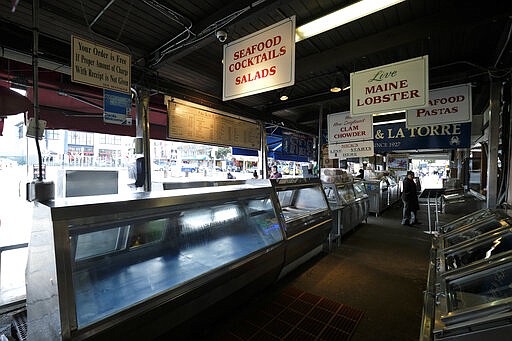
(381, 269)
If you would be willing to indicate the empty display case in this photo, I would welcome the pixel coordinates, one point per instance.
(469, 295)
(306, 218)
(349, 204)
(112, 266)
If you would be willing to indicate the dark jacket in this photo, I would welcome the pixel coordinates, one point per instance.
(409, 194)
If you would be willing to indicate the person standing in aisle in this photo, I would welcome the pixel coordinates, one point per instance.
(410, 200)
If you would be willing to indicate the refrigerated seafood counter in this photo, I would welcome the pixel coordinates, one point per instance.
(349, 205)
(107, 267)
(469, 286)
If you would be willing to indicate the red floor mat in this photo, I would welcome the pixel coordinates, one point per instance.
(295, 315)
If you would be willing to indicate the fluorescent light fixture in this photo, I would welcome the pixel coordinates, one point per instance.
(341, 17)
(389, 122)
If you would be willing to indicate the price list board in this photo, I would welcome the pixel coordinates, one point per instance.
(186, 123)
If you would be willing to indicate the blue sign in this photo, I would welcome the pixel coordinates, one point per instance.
(396, 136)
(117, 107)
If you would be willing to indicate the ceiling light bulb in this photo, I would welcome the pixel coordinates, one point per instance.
(283, 98)
(335, 89)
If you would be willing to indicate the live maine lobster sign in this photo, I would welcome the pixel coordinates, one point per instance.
(396, 136)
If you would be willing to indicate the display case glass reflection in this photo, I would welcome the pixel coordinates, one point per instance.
(486, 287)
(346, 193)
(470, 219)
(360, 190)
(301, 202)
(117, 266)
(483, 250)
(478, 229)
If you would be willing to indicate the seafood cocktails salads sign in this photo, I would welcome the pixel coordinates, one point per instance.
(260, 62)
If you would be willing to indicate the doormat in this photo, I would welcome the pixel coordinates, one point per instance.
(295, 315)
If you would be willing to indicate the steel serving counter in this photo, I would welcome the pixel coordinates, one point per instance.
(106, 267)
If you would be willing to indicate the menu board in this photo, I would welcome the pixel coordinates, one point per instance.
(187, 123)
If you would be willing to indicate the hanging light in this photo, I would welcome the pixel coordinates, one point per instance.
(283, 97)
(336, 85)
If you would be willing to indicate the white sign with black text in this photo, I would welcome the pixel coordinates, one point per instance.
(351, 149)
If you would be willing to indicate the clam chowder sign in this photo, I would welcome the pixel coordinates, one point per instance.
(341, 128)
(260, 62)
(446, 105)
(397, 86)
(349, 136)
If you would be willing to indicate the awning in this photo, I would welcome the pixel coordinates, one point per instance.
(12, 103)
(85, 113)
(243, 152)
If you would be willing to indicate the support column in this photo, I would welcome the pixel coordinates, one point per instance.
(319, 142)
(494, 136)
(142, 135)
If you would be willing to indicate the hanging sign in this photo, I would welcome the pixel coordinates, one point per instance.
(262, 61)
(341, 127)
(117, 107)
(194, 124)
(351, 149)
(100, 66)
(396, 136)
(397, 86)
(446, 105)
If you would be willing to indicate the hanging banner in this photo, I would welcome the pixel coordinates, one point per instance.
(259, 62)
(397, 86)
(99, 66)
(298, 144)
(117, 107)
(396, 136)
(446, 105)
(352, 149)
(342, 128)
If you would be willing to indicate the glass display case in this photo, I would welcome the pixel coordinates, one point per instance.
(114, 265)
(469, 295)
(349, 204)
(480, 251)
(471, 218)
(382, 193)
(476, 304)
(306, 217)
(480, 228)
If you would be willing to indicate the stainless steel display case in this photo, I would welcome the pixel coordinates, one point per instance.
(113, 266)
(349, 204)
(382, 193)
(475, 304)
(481, 228)
(306, 218)
(469, 290)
